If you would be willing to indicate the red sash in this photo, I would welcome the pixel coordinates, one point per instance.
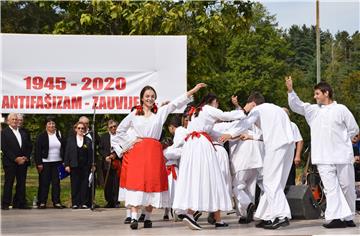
(171, 170)
(198, 134)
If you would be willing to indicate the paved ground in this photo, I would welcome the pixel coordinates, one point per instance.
(110, 222)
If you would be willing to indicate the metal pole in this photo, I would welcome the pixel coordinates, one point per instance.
(318, 68)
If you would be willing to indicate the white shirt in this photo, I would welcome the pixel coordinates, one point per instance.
(273, 122)
(17, 135)
(54, 149)
(149, 127)
(209, 115)
(173, 152)
(332, 127)
(79, 141)
(296, 132)
(247, 154)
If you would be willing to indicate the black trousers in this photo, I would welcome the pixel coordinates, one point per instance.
(292, 176)
(49, 175)
(111, 189)
(79, 178)
(11, 173)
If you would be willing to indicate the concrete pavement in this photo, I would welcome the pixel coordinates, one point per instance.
(102, 222)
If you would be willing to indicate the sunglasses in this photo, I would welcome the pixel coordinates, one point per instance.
(113, 126)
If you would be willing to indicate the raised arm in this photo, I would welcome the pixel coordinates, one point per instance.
(179, 102)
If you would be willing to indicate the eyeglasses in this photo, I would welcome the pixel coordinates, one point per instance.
(82, 128)
(113, 126)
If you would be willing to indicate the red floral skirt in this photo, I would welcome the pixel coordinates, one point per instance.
(143, 167)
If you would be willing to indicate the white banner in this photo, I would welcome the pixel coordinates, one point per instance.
(71, 73)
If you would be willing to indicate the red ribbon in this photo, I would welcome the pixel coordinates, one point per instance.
(171, 170)
(197, 135)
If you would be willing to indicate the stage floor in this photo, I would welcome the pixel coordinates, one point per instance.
(110, 222)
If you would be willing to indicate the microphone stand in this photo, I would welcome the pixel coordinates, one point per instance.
(93, 162)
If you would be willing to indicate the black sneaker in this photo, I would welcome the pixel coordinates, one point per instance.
(75, 207)
(211, 220)
(336, 223)
(147, 224)
(191, 223)
(42, 206)
(242, 220)
(197, 215)
(165, 217)
(141, 218)
(127, 220)
(134, 224)
(221, 225)
(262, 223)
(350, 223)
(277, 223)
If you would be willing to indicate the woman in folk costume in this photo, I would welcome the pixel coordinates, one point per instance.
(201, 185)
(143, 172)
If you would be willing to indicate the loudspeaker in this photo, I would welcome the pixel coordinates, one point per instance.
(302, 203)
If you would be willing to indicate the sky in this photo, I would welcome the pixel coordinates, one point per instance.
(335, 15)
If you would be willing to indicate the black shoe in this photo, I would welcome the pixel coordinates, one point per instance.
(211, 220)
(277, 223)
(180, 217)
(350, 223)
(134, 224)
(250, 213)
(5, 207)
(336, 223)
(147, 224)
(127, 220)
(42, 206)
(191, 223)
(197, 215)
(59, 206)
(141, 218)
(165, 217)
(110, 205)
(75, 207)
(242, 220)
(221, 225)
(262, 223)
(24, 207)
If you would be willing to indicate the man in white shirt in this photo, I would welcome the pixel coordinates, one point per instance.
(332, 126)
(273, 208)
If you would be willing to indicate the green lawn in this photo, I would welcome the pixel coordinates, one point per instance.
(65, 194)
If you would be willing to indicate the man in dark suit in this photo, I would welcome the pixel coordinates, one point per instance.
(16, 148)
(111, 188)
(98, 178)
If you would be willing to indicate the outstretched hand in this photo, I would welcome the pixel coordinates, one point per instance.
(224, 138)
(196, 88)
(289, 83)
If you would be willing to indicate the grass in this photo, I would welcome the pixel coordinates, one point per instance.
(32, 183)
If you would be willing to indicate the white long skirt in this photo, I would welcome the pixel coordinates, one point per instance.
(224, 163)
(200, 184)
